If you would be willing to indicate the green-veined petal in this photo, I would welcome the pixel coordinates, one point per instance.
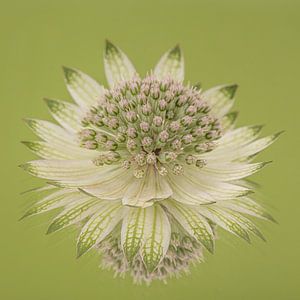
(108, 215)
(171, 65)
(54, 200)
(226, 221)
(74, 213)
(67, 114)
(84, 90)
(247, 224)
(228, 121)
(44, 150)
(194, 224)
(132, 231)
(117, 65)
(247, 206)
(220, 99)
(156, 238)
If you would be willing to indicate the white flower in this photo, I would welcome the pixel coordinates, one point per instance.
(148, 168)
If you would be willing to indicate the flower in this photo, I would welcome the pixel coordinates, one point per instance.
(148, 168)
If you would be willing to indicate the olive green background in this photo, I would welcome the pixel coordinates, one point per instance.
(253, 43)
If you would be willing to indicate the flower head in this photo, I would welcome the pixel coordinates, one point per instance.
(148, 167)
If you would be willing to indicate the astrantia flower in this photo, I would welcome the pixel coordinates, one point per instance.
(148, 168)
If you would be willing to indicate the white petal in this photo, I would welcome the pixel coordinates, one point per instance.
(106, 218)
(226, 221)
(247, 224)
(111, 185)
(226, 171)
(83, 89)
(171, 65)
(156, 237)
(44, 150)
(228, 121)
(194, 224)
(59, 139)
(66, 114)
(117, 65)
(239, 137)
(151, 187)
(50, 132)
(132, 231)
(74, 213)
(54, 200)
(240, 153)
(192, 188)
(247, 206)
(187, 193)
(220, 99)
(69, 171)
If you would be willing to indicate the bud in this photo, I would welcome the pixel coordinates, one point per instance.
(157, 121)
(177, 169)
(131, 116)
(187, 139)
(163, 136)
(174, 126)
(140, 159)
(87, 134)
(111, 145)
(162, 105)
(100, 137)
(91, 145)
(147, 141)
(146, 109)
(200, 163)
(145, 127)
(131, 132)
(151, 158)
(139, 173)
(190, 159)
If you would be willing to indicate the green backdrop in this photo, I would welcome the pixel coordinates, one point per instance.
(253, 43)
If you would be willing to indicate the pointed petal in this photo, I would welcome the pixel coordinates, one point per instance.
(50, 132)
(171, 65)
(220, 99)
(111, 185)
(228, 171)
(141, 191)
(117, 65)
(74, 213)
(247, 206)
(132, 231)
(239, 137)
(58, 138)
(194, 223)
(247, 224)
(228, 121)
(156, 238)
(54, 200)
(99, 226)
(83, 89)
(225, 221)
(82, 172)
(242, 153)
(193, 188)
(44, 150)
(67, 114)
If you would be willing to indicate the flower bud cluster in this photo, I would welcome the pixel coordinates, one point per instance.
(154, 122)
(183, 252)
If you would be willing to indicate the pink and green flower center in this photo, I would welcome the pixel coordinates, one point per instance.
(144, 122)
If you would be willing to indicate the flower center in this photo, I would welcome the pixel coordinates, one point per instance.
(150, 122)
